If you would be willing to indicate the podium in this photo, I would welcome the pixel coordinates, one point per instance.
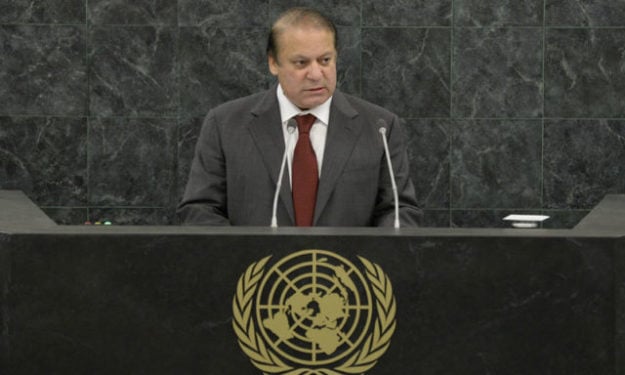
(160, 300)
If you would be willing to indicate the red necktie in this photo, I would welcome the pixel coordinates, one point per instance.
(305, 173)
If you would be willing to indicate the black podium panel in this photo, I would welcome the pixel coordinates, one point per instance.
(162, 303)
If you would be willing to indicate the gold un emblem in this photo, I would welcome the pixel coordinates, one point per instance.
(314, 313)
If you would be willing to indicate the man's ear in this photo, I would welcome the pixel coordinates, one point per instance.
(273, 65)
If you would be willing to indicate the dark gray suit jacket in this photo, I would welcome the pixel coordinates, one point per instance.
(238, 155)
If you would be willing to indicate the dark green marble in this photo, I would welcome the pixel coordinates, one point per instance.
(131, 162)
(575, 174)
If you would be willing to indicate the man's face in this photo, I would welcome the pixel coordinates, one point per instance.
(305, 65)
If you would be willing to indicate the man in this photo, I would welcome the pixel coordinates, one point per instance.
(234, 174)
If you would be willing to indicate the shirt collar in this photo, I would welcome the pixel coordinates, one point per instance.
(289, 110)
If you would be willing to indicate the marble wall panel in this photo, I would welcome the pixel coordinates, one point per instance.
(349, 62)
(584, 73)
(133, 71)
(50, 11)
(406, 13)
(343, 12)
(496, 164)
(136, 12)
(407, 70)
(497, 72)
(132, 162)
(498, 13)
(43, 70)
(429, 146)
(583, 161)
(46, 157)
(224, 13)
(594, 13)
(217, 65)
(431, 62)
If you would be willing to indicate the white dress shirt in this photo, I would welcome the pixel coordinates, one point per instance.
(318, 131)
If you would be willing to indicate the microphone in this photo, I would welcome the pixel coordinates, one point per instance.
(290, 128)
(382, 131)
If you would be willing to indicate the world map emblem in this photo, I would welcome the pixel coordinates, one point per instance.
(314, 312)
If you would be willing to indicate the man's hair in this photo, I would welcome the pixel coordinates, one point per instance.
(298, 16)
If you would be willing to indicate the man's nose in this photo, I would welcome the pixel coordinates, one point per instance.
(315, 71)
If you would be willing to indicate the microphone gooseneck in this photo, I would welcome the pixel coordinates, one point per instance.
(382, 131)
(290, 128)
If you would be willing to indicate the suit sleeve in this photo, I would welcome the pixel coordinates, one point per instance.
(409, 214)
(204, 201)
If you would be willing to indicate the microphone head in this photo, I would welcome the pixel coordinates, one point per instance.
(382, 124)
(291, 125)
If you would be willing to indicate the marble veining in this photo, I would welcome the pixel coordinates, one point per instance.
(132, 162)
(407, 70)
(224, 13)
(46, 157)
(343, 13)
(496, 163)
(583, 161)
(349, 64)
(497, 72)
(136, 12)
(482, 13)
(133, 71)
(43, 70)
(584, 73)
(429, 144)
(406, 13)
(209, 58)
(35, 11)
(594, 13)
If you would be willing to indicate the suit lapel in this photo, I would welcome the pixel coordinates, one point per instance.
(267, 134)
(343, 132)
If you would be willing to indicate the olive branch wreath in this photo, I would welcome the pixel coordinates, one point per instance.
(375, 345)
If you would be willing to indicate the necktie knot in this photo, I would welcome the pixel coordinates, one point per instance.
(304, 123)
